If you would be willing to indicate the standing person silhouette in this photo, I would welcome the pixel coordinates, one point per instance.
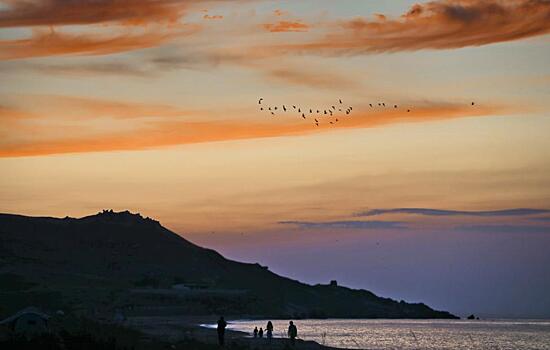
(292, 333)
(255, 332)
(221, 330)
(261, 333)
(269, 329)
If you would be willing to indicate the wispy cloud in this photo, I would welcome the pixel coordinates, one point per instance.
(79, 108)
(93, 69)
(308, 77)
(286, 26)
(213, 17)
(489, 227)
(347, 224)
(145, 66)
(91, 27)
(443, 212)
(14, 113)
(63, 12)
(444, 24)
(54, 43)
(162, 132)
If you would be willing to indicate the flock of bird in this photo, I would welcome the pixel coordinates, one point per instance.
(330, 114)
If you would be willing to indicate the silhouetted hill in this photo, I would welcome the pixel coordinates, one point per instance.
(122, 260)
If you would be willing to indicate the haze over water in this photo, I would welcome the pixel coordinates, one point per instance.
(416, 334)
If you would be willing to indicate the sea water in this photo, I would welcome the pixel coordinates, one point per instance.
(415, 334)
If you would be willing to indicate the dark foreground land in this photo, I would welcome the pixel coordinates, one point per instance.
(75, 333)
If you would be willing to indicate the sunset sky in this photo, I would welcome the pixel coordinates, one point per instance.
(152, 106)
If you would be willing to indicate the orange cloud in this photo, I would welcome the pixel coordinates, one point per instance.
(444, 24)
(286, 26)
(456, 23)
(311, 78)
(280, 13)
(79, 108)
(10, 118)
(62, 12)
(83, 69)
(165, 133)
(159, 21)
(54, 44)
(212, 17)
(12, 113)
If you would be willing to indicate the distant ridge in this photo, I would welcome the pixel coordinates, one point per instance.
(110, 260)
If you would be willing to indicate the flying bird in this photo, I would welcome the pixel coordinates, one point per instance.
(331, 111)
(394, 106)
(472, 103)
(370, 104)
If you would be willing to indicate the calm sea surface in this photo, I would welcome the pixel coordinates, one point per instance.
(416, 334)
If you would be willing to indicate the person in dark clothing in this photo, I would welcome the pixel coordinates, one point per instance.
(255, 332)
(261, 333)
(269, 329)
(292, 333)
(221, 330)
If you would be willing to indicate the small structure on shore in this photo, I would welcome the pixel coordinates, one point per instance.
(333, 283)
(28, 322)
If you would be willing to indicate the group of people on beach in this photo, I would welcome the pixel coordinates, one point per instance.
(260, 333)
(292, 331)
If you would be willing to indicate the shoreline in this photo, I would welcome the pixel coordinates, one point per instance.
(177, 328)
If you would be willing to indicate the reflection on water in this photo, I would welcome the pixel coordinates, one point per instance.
(416, 334)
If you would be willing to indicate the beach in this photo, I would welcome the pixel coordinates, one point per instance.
(174, 329)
